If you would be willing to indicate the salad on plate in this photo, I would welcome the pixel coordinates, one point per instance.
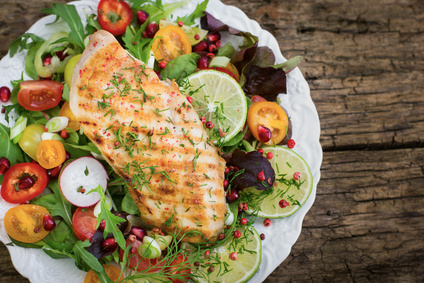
(151, 142)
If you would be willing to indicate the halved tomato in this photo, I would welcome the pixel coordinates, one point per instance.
(50, 153)
(169, 43)
(114, 16)
(112, 272)
(40, 95)
(24, 223)
(23, 181)
(84, 223)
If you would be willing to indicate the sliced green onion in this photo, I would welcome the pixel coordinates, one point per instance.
(18, 128)
(150, 248)
(57, 124)
(51, 136)
(219, 61)
(98, 209)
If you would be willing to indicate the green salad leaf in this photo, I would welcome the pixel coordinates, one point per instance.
(22, 43)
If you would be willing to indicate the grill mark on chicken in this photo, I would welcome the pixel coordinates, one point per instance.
(152, 137)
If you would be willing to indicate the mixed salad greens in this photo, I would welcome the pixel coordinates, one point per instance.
(46, 161)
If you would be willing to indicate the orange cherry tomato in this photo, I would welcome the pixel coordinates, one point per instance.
(50, 153)
(24, 223)
(84, 223)
(23, 181)
(65, 111)
(40, 95)
(271, 116)
(112, 272)
(169, 43)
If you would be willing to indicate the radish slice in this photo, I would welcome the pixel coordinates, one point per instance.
(79, 177)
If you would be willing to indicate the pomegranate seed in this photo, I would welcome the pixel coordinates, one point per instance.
(190, 99)
(233, 256)
(109, 244)
(47, 60)
(4, 94)
(218, 43)
(203, 62)
(196, 36)
(158, 74)
(261, 151)
(139, 232)
(207, 253)
(61, 55)
(48, 222)
(290, 143)
(267, 222)
(202, 119)
(54, 172)
(232, 196)
(209, 125)
(142, 17)
(262, 236)
(152, 29)
(269, 155)
(243, 221)
(102, 225)
(261, 176)
(26, 182)
(297, 176)
(162, 64)
(283, 203)
(214, 37)
(212, 48)
(4, 165)
(64, 134)
(226, 183)
(180, 23)
(227, 170)
(237, 234)
(201, 46)
(68, 155)
(210, 55)
(264, 134)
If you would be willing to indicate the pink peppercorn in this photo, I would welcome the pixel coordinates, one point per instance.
(291, 143)
(297, 176)
(237, 234)
(243, 221)
(269, 155)
(233, 256)
(261, 151)
(267, 222)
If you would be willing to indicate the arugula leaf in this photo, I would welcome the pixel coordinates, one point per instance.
(138, 46)
(197, 13)
(21, 43)
(70, 15)
(55, 203)
(111, 220)
(60, 240)
(156, 10)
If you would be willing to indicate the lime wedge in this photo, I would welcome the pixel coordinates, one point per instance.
(289, 194)
(248, 248)
(220, 99)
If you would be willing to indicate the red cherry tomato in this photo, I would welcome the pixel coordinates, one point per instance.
(136, 260)
(84, 223)
(114, 16)
(23, 181)
(40, 95)
(180, 269)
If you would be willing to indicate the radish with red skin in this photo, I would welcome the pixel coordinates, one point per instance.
(79, 177)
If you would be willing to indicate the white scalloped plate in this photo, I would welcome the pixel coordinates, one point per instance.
(280, 236)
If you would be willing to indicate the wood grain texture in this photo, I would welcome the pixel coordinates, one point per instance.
(364, 62)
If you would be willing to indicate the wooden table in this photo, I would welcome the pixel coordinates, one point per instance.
(364, 62)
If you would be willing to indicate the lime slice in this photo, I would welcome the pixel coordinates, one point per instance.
(289, 194)
(248, 248)
(220, 99)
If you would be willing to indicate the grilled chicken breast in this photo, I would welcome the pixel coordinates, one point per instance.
(152, 137)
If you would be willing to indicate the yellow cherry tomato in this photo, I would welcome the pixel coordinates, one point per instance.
(112, 272)
(66, 112)
(169, 43)
(24, 223)
(50, 153)
(268, 122)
